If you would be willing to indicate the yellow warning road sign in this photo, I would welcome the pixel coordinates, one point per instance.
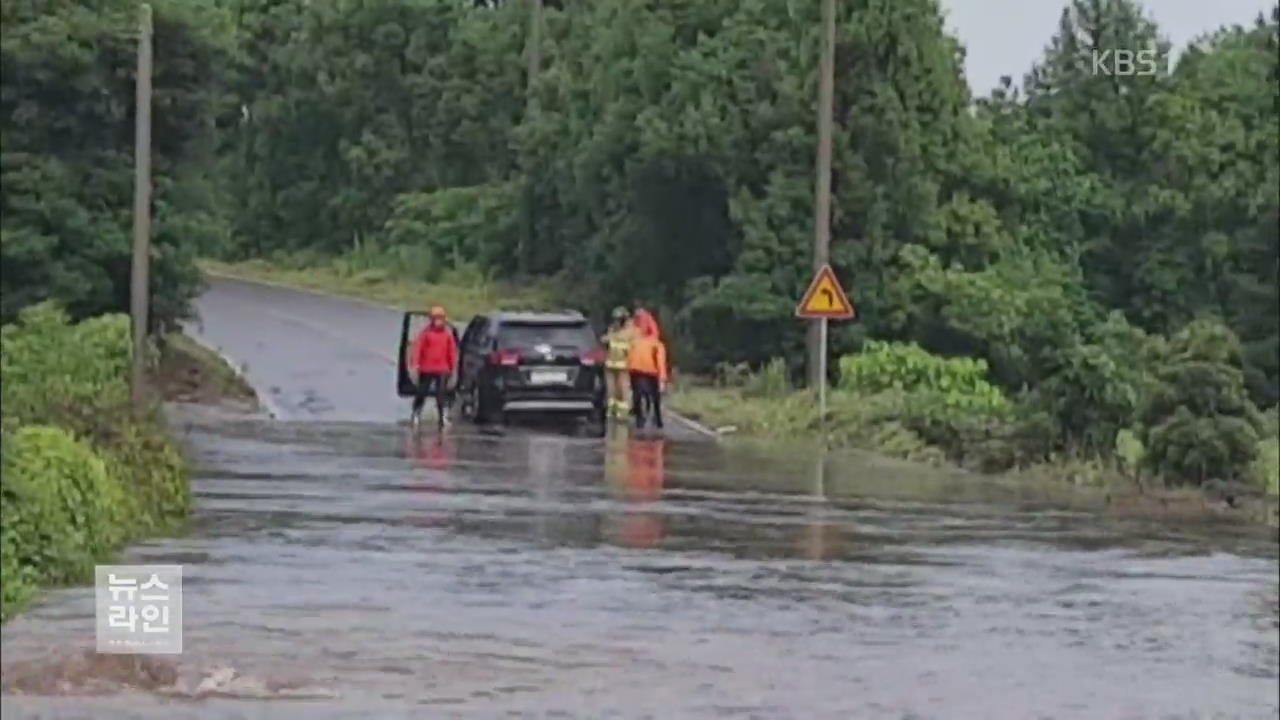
(825, 298)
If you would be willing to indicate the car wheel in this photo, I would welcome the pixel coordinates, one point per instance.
(596, 423)
(478, 415)
(467, 404)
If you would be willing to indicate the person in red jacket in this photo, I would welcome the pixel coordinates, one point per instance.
(435, 360)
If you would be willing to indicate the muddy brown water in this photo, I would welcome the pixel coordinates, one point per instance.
(346, 567)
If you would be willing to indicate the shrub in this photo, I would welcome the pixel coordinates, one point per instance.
(1201, 422)
(1130, 451)
(952, 383)
(881, 421)
(770, 382)
(62, 511)
(72, 376)
(81, 474)
(1265, 470)
(153, 476)
(1097, 388)
(946, 403)
(457, 226)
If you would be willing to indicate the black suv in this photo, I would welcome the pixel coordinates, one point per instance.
(513, 362)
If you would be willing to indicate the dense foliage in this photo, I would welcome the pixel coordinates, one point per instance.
(81, 474)
(66, 151)
(1107, 245)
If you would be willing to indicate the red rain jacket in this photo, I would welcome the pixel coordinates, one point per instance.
(435, 352)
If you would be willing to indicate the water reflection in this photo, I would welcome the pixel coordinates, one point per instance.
(435, 455)
(433, 452)
(819, 540)
(635, 469)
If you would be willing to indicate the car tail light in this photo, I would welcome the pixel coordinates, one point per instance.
(504, 358)
(593, 357)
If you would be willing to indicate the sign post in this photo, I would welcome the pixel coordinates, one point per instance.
(824, 300)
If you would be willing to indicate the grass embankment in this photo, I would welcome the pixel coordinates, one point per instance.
(462, 293)
(869, 422)
(907, 404)
(949, 428)
(191, 373)
(82, 475)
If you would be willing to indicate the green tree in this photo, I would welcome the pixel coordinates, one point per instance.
(66, 147)
(1202, 424)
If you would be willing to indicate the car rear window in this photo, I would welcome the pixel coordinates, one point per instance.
(521, 337)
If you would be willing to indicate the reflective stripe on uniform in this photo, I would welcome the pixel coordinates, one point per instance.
(619, 349)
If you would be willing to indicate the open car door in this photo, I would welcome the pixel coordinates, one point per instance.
(412, 325)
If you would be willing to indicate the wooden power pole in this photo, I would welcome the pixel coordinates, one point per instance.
(533, 52)
(822, 193)
(140, 282)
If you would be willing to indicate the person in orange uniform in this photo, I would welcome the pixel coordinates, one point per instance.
(435, 360)
(647, 363)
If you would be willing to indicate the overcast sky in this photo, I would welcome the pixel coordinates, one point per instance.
(1003, 37)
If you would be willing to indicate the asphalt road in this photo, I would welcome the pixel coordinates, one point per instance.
(314, 356)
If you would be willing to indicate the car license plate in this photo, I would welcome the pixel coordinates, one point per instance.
(548, 377)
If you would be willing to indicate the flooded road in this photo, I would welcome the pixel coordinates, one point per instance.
(341, 566)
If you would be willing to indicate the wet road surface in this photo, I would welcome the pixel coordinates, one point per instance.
(342, 566)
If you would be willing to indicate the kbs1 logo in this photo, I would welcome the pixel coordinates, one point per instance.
(1123, 63)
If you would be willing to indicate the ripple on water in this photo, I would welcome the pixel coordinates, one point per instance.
(519, 574)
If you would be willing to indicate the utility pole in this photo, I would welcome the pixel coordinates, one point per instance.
(140, 281)
(534, 55)
(822, 197)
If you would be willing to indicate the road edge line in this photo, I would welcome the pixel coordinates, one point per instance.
(695, 426)
(298, 288)
(264, 399)
(687, 422)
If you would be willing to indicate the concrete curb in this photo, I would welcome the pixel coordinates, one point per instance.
(264, 399)
(695, 426)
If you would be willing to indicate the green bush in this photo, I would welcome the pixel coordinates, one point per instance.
(1098, 387)
(154, 476)
(948, 383)
(457, 226)
(880, 421)
(1201, 423)
(770, 382)
(56, 373)
(81, 475)
(1129, 451)
(62, 511)
(1265, 470)
(947, 404)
